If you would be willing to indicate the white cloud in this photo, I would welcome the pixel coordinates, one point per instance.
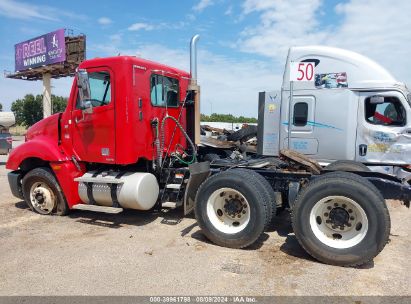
(28, 11)
(141, 26)
(22, 10)
(200, 6)
(282, 24)
(104, 21)
(229, 11)
(191, 17)
(377, 29)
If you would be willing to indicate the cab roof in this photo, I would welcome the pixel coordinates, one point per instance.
(132, 60)
(362, 72)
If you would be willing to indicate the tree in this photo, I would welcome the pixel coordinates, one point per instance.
(32, 109)
(29, 110)
(227, 118)
(17, 109)
(1, 107)
(59, 103)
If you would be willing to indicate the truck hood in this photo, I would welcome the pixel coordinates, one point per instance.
(46, 127)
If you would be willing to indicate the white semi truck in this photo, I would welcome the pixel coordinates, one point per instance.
(354, 113)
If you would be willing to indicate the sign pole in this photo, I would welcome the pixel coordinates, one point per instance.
(46, 95)
(289, 113)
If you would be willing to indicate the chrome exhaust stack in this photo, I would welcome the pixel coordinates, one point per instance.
(193, 112)
(193, 59)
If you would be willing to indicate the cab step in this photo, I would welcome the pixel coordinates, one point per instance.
(97, 208)
(173, 186)
(171, 205)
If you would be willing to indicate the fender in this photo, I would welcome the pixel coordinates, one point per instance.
(41, 147)
(65, 173)
(45, 149)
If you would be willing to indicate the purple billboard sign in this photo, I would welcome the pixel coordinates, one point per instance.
(43, 50)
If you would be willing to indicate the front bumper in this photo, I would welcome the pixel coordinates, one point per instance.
(14, 178)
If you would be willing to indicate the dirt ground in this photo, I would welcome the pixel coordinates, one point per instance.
(139, 253)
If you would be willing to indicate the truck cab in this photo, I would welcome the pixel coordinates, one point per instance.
(127, 94)
(117, 126)
(353, 110)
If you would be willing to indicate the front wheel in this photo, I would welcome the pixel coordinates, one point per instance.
(42, 192)
(341, 219)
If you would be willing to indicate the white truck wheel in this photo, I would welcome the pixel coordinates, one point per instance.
(341, 219)
(231, 208)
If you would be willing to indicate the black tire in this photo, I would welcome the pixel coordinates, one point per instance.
(244, 182)
(211, 157)
(44, 175)
(347, 165)
(363, 193)
(243, 134)
(269, 191)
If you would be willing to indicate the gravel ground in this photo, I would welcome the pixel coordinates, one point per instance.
(139, 253)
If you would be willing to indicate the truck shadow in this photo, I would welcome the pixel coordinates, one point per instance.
(281, 225)
(126, 218)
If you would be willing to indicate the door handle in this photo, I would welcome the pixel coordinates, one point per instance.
(362, 149)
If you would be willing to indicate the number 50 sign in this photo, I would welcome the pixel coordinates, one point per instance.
(302, 71)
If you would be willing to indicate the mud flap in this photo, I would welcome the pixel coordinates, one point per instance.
(198, 174)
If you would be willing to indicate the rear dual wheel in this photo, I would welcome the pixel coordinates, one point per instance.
(341, 219)
(233, 208)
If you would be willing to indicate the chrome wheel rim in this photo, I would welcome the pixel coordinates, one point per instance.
(228, 210)
(338, 222)
(42, 198)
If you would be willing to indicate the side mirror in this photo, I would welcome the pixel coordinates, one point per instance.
(377, 99)
(83, 85)
(87, 107)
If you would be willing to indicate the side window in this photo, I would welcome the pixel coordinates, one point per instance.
(100, 88)
(389, 113)
(164, 91)
(300, 114)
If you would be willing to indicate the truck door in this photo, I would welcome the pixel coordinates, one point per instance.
(384, 129)
(302, 117)
(323, 123)
(93, 134)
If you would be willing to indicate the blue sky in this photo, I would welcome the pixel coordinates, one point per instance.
(243, 43)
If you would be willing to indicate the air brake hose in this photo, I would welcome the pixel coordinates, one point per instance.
(182, 130)
(154, 124)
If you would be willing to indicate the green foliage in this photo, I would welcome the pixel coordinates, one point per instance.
(17, 109)
(29, 110)
(227, 118)
(59, 103)
(32, 109)
(1, 107)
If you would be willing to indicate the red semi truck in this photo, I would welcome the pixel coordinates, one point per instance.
(130, 138)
